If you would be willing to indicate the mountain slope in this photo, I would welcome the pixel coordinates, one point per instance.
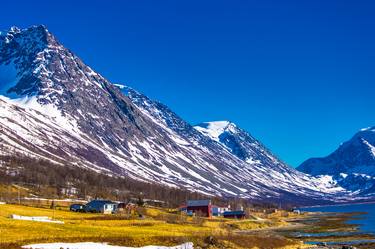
(259, 166)
(352, 164)
(57, 107)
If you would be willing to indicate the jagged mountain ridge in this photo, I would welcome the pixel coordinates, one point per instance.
(59, 108)
(238, 142)
(352, 164)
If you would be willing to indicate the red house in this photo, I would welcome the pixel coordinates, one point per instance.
(199, 207)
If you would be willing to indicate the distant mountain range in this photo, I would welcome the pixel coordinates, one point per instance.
(352, 165)
(57, 108)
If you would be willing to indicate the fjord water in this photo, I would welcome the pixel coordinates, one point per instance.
(366, 221)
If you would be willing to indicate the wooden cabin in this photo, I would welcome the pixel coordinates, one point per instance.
(199, 207)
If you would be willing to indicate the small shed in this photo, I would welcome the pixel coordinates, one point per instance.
(199, 207)
(101, 206)
(77, 207)
(219, 211)
(240, 214)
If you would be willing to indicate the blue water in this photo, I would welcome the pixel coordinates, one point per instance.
(366, 221)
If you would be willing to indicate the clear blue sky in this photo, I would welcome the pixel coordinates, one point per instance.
(298, 75)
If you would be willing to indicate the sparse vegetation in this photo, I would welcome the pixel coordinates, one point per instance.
(43, 178)
(159, 226)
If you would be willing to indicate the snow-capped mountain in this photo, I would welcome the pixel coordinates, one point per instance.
(56, 107)
(238, 142)
(352, 165)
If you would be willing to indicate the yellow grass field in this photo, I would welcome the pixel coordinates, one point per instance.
(118, 230)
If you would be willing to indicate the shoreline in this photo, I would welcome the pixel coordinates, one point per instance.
(330, 229)
(337, 204)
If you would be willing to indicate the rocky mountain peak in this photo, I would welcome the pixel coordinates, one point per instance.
(352, 164)
(24, 58)
(30, 40)
(361, 147)
(37, 67)
(239, 142)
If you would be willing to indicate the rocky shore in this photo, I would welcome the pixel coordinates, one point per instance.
(329, 230)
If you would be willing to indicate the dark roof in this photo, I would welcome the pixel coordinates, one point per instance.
(99, 202)
(197, 203)
(239, 212)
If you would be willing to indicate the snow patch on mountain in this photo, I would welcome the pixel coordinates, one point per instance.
(120, 86)
(93, 245)
(213, 129)
(371, 147)
(370, 128)
(31, 104)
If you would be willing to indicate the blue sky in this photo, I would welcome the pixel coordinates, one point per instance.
(298, 75)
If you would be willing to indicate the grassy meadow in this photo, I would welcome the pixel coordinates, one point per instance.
(158, 227)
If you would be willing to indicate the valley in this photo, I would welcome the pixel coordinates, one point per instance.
(69, 136)
(159, 227)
